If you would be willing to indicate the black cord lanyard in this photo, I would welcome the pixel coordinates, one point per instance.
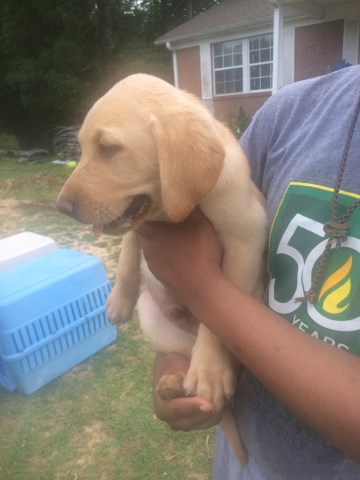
(336, 229)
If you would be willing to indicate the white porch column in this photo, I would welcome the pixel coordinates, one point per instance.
(175, 66)
(278, 57)
(351, 45)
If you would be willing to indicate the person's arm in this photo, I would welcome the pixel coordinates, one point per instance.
(317, 382)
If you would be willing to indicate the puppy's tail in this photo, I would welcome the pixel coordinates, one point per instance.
(232, 435)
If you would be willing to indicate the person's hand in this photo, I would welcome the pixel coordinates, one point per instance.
(182, 413)
(181, 255)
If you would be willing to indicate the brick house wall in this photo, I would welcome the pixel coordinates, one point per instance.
(188, 61)
(318, 48)
(226, 107)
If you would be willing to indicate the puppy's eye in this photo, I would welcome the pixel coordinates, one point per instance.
(109, 149)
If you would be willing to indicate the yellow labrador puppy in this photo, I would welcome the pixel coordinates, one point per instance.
(153, 152)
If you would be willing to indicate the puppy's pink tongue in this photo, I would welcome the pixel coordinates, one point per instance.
(97, 229)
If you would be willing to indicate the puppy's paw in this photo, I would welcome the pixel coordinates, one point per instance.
(170, 386)
(119, 308)
(212, 375)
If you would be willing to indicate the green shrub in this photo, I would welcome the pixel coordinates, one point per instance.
(239, 122)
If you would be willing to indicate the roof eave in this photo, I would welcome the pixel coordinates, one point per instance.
(258, 22)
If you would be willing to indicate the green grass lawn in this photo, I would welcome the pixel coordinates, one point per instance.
(96, 422)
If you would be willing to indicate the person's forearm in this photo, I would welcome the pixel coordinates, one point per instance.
(318, 383)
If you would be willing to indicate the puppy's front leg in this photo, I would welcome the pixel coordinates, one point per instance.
(213, 370)
(122, 300)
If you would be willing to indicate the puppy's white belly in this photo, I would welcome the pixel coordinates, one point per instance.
(162, 333)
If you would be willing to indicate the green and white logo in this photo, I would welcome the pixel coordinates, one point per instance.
(297, 241)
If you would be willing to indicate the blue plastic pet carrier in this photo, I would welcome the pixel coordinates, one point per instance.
(52, 317)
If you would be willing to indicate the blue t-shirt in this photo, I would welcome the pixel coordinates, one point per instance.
(294, 145)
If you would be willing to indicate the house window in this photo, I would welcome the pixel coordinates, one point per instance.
(260, 62)
(243, 65)
(228, 60)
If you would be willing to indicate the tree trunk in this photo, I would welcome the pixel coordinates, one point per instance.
(189, 9)
(106, 38)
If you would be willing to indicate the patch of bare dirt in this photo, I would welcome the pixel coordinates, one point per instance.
(9, 214)
(87, 444)
(7, 205)
(19, 215)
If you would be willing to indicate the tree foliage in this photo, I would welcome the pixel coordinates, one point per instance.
(163, 15)
(57, 57)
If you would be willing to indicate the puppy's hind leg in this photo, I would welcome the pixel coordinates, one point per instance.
(166, 337)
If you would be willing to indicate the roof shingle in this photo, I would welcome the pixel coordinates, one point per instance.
(226, 15)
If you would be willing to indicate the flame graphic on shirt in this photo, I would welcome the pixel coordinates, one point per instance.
(337, 296)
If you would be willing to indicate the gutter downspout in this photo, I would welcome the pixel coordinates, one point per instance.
(278, 57)
(175, 66)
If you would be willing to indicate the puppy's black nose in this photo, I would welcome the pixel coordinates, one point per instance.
(65, 206)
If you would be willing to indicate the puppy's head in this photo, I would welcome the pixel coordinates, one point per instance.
(149, 151)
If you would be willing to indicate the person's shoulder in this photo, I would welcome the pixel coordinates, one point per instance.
(292, 103)
(339, 80)
(306, 92)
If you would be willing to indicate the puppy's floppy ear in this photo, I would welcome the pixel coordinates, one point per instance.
(191, 158)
